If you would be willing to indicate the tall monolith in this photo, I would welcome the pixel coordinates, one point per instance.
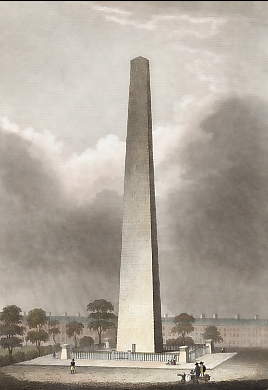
(139, 317)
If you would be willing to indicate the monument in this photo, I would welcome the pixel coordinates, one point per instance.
(139, 317)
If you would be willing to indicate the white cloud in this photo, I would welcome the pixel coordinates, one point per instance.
(44, 142)
(82, 175)
(109, 10)
(177, 24)
(96, 169)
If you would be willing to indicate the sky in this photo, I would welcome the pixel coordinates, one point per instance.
(64, 78)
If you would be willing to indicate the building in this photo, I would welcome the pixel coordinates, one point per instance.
(236, 332)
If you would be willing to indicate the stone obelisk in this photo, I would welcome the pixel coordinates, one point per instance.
(139, 319)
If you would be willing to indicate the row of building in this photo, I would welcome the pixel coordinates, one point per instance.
(236, 332)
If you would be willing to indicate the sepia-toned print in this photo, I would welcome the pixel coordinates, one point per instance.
(133, 195)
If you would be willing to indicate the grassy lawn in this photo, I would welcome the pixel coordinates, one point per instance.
(9, 383)
(28, 348)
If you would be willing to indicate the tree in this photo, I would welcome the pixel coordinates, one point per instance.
(183, 325)
(86, 342)
(36, 320)
(74, 329)
(179, 341)
(53, 329)
(101, 316)
(171, 342)
(10, 328)
(212, 333)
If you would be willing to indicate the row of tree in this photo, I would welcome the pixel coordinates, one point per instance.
(184, 326)
(101, 317)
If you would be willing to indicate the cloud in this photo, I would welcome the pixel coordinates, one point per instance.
(177, 24)
(110, 10)
(211, 204)
(217, 216)
(82, 176)
(50, 240)
(95, 169)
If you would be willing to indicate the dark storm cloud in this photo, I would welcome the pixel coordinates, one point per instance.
(48, 245)
(219, 222)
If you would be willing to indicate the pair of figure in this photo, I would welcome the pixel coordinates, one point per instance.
(200, 369)
(172, 362)
(72, 366)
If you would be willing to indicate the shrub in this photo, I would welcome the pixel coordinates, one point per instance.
(29, 355)
(21, 356)
(18, 357)
(4, 360)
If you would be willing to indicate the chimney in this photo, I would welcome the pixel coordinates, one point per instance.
(256, 317)
(78, 314)
(202, 315)
(215, 315)
(237, 317)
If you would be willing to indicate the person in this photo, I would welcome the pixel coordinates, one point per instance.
(183, 376)
(174, 361)
(197, 371)
(72, 366)
(191, 375)
(202, 369)
(54, 355)
(222, 350)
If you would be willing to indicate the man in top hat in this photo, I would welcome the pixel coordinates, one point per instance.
(197, 371)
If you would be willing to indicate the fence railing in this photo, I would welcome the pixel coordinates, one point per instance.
(115, 355)
(196, 351)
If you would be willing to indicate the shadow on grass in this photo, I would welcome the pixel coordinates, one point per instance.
(10, 383)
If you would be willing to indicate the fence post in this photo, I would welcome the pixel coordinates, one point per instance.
(210, 346)
(65, 352)
(184, 354)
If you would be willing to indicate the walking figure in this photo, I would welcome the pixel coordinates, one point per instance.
(72, 366)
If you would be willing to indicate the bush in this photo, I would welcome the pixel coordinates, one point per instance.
(86, 342)
(21, 356)
(18, 357)
(29, 355)
(171, 342)
(179, 341)
(4, 360)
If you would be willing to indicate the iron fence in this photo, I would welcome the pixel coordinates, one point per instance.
(115, 355)
(196, 351)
